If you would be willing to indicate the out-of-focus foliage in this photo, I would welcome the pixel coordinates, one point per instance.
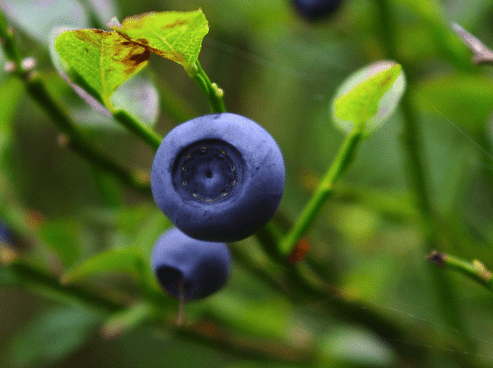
(368, 244)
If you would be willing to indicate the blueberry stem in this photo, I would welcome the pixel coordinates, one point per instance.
(181, 305)
(212, 91)
(323, 192)
(140, 130)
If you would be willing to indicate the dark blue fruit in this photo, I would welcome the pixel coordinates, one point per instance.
(316, 9)
(188, 266)
(218, 177)
(6, 235)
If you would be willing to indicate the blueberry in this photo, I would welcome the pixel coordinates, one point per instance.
(194, 268)
(219, 177)
(316, 9)
(6, 235)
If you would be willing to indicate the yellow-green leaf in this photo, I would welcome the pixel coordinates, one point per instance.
(173, 35)
(368, 97)
(103, 60)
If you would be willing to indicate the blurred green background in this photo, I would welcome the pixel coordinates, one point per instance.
(282, 72)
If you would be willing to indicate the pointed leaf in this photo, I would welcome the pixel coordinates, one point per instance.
(368, 97)
(173, 35)
(126, 260)
(51, 336)
(101, 60)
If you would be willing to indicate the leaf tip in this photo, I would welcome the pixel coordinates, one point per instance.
(114, 23)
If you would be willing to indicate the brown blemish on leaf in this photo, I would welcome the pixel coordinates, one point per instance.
(133, 60)
(143, 41)
(87, 35)
(177, 23)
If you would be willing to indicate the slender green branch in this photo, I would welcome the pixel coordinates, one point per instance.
(41, 282)
(8, 41)
(323, 192)
(212, 91)
(418, 181)
(140, 130)
(475, 270)
(77, 141)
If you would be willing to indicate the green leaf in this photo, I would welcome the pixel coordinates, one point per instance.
(368, 97)
(126, 260)
(51, 336)
(63, 237)
(173, 35)
(99, 60)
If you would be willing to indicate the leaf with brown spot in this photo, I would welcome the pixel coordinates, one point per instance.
(103, 59)
(173, 35)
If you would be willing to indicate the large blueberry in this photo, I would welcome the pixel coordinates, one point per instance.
(219, 177)
(194, 268)
(316, 9)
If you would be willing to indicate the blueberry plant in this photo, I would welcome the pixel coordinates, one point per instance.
(251, 223)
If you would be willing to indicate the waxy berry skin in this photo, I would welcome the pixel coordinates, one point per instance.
(190, 269)
(316, 9)
(218, 177)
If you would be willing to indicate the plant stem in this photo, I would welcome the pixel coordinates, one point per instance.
(212, 91)
(323, 192)
(419, 183)
(43, 283)
(475, 270)
(147, 135)
(8, 42)
(37, 90)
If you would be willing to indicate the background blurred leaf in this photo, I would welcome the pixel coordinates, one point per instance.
(103, 10)
(38, 18)
(63, 237)
(357, 347)
(173, 35)
(139, 97)
(126, 260)
(440, 96)
(51, 336)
